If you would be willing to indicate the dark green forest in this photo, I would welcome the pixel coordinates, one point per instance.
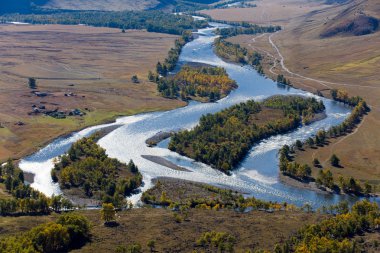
(152, 21)
(224, 139)
(86, 166)
(248, 29)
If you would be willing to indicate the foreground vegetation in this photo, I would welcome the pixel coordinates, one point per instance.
(68, 232)
(223, 139)
(152, 21)
(335, 234)
(87, 167)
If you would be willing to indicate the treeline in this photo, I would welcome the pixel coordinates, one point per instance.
(70, 231)
(291, 168)
(86, 166)
(173, 56)
(251, 30)
(205, 82)
(335, 234)
(236, 53)
(153, 21)
(223, 139)
(325, 177)
(23, 199)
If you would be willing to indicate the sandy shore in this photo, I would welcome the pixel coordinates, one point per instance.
(162, 161)
(303, 185)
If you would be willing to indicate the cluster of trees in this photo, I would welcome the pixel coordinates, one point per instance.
(230, 51)
(238, 54)
(87, 166)
(210, 82)
(334, 234)
(23, 199)
(350, 185)
(68, 232)
(291, 168)
(251, 29)
(325, 177)
(217, 241)
(282, 80)
(223, 139)
(153, 21)
(173, 56)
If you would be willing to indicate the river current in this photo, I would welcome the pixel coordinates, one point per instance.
(258, 174)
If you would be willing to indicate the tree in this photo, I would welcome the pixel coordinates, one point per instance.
(50, 237)
(316, 162)
(151, 244)
(334, 160)
(32, 83)
(78, 227)
(108, 213)
(299, 144)
(135, 79)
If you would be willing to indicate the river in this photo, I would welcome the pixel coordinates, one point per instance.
(258, 174)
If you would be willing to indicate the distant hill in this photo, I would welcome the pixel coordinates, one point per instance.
(358, 18)
(27, 6)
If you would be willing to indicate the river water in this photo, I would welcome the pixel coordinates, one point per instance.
(258, 174)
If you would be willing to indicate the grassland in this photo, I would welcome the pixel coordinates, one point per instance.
(272, 12)
(95, 64)
(314, 63)
(253, 230)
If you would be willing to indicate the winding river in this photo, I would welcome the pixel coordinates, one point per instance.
(258, 174)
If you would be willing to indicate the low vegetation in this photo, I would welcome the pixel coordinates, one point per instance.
(87, 167)
(223, 139)
(182, 195)
(152, 21)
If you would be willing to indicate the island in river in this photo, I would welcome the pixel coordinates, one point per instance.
(224, 139)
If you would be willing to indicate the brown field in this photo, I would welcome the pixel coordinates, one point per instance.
(95, 64)
(253, 230)
(344, 62)
(267, 12)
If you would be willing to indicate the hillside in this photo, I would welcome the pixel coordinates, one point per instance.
(341, 60)
(359, 18)
(27, 6)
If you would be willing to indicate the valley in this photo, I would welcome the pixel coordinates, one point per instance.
(125, 127)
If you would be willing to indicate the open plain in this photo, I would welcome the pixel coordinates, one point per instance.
(76, 67)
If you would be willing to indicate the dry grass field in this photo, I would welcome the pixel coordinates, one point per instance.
(343, 61)
(94, 64)
(267, 12)
(253, 230)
